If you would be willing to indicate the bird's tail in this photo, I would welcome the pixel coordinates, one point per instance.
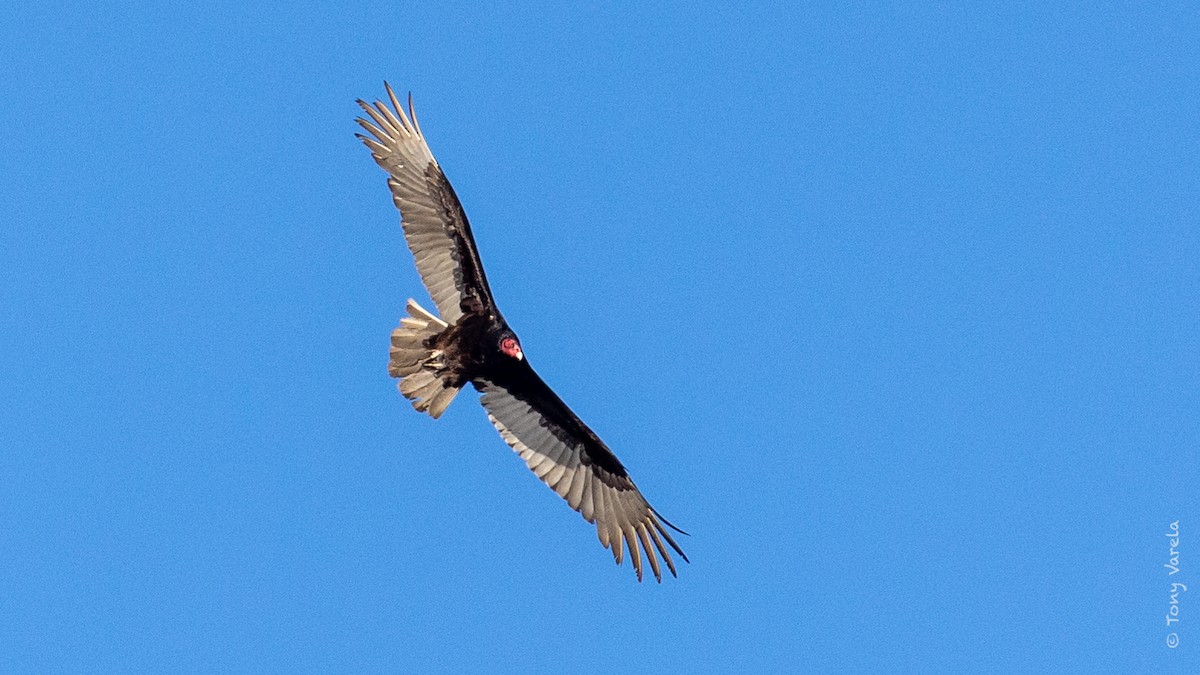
(424, 377)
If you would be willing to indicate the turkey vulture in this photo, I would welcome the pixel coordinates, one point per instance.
(435, 356)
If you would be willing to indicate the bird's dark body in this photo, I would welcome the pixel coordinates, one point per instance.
(470, 351)
(462, 346)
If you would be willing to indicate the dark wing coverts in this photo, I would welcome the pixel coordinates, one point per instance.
(575, 463)
(435, 224)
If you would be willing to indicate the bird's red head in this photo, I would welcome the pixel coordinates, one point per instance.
(511, 347)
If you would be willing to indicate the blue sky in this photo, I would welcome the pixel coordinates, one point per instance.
(896, 310)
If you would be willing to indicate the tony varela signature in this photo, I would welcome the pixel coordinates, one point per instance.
(1172, 566)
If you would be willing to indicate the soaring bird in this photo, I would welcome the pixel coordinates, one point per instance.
(468, 340)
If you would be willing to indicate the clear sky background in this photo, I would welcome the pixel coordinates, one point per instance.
(897, 311)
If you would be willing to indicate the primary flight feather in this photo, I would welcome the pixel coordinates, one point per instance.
(468, 340)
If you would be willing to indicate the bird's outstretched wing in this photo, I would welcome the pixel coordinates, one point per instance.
(568, 456)
(434, 222)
